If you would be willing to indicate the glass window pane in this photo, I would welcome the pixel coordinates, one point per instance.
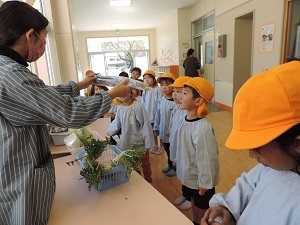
(197, 28)
(110, 56)
(208, 22)
(209, 52)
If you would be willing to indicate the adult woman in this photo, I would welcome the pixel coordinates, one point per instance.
(27, 179)
(191, 64)
(266, 120)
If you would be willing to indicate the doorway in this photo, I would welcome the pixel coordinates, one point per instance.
(243, 45)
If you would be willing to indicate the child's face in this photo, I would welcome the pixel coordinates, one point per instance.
(270, 155)
(188, 102)
(148, 80)
(177, 95)
(165, 89)
(135, 75)
(97, 89)
(126, 99)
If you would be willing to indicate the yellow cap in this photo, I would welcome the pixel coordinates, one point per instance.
(266, 106)
(149, 72)
(166, 75)
(205, 90)
(178, 83)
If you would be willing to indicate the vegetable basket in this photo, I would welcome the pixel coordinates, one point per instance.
(110, 178)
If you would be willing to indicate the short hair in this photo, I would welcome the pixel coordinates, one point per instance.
(194, 92)
(123, 74)
(137, 69)
(190, 52)
(166, 79)
(16, 18)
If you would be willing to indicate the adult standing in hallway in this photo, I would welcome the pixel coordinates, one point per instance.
(27, 178)
(191, 65)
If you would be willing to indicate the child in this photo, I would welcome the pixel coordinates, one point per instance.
(136, 73)
(197, 163)
(136, 128)
(150, 97)
(162, 118)
(123, 74)
(177, 117)
(266, 120)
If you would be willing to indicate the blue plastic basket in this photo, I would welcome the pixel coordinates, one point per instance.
(112, 177)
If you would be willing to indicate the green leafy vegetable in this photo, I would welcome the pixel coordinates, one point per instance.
(93, 173)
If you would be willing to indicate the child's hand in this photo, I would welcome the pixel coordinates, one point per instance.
(109, 115)
(218, 215)
(202, 191)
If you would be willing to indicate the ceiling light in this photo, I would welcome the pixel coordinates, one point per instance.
(118, 25)
(120, 2)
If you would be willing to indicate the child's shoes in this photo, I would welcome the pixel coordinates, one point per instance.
(154, 149)
(166, 169)
(179, 200)
(159, 150)
(185, 205)
(171, 173)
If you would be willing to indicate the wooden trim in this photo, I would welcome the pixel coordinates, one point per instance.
(285, 30)
(225, 107)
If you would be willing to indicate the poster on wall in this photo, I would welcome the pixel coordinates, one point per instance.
(267, 38)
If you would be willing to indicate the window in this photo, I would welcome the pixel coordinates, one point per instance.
(110, 56)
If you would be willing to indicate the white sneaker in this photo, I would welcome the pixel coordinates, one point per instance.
(179, 200)
(185, 205)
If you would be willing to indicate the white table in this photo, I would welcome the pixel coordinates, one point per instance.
(133, 203)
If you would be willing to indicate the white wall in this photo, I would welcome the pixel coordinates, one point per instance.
(225, 13)
(167, 41)
(64, 40)
(184, 35)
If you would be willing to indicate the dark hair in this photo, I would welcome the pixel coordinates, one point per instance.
(123, 74)
(136, 69)
(93, 88)
(154, 80)
(166, 79)
(286, 143)
(16, 18)
(190, 52)
(194, 92)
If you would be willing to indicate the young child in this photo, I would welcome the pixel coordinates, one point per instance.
(136, 128)
(197, 163)
(136, 73)
(177, 117)
(162, 118)
(266, 120)
(150, 97)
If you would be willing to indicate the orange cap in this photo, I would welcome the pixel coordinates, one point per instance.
(149, 72)
(205, 90)
(266, 106)
(178, 83)
(166, 75)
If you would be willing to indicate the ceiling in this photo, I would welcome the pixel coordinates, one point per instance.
(94, 15)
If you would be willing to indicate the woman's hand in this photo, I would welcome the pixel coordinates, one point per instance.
(120, 89)
(218, 215)
(90, 77)
(202, 191)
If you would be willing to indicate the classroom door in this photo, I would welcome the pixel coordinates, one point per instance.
(208, 57)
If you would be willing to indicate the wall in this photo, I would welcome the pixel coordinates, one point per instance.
(225, 13)
(64, 40)
(81, 38)
(167, 41)
(184, 35)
